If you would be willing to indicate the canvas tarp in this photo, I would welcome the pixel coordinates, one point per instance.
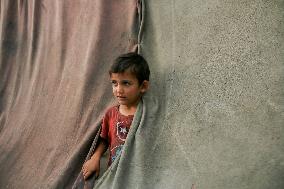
(54, 83)
(213, 115)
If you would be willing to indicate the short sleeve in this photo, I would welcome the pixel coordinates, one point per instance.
(105, 127)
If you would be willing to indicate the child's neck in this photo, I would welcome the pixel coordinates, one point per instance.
(127, 110)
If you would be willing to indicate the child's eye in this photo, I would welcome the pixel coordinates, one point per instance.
(127, 83)
(114, 83)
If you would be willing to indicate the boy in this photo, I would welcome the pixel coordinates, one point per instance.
(129, 76)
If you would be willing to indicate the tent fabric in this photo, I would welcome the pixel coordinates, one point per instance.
(54, 83)
(213, 116)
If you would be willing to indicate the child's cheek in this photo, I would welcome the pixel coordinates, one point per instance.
(114, 90)
(131, 91)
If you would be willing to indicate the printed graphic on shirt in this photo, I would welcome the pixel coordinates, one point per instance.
(122, 130)
(116, 152)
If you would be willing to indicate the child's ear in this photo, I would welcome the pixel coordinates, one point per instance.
(144, 86)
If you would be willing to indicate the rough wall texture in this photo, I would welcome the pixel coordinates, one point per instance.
(220, 65)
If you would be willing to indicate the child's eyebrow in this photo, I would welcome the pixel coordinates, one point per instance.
(126, 81)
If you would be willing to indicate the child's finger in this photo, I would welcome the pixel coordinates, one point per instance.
(86, 175)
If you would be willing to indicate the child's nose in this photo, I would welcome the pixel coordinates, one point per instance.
(119, 89)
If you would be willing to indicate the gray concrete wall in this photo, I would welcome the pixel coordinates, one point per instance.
(220, 65)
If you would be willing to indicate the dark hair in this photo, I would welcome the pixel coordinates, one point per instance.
(133, 62)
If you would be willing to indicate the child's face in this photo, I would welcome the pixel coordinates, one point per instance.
(126, 88)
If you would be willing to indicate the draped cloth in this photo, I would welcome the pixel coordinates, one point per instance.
(54, 83)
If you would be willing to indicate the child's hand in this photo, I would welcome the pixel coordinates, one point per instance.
(90, 167)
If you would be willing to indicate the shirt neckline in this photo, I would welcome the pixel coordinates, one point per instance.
(117, 109)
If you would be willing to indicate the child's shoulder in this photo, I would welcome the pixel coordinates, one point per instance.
(112, 110)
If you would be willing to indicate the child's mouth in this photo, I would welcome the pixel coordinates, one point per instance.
(121, 97)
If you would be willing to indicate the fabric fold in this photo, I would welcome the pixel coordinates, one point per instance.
(54, 63)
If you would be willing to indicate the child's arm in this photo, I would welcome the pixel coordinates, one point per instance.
(93, 164)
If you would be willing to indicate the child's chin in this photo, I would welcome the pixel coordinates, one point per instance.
(122, 102)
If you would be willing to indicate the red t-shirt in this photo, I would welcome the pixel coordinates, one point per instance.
(115, 128)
